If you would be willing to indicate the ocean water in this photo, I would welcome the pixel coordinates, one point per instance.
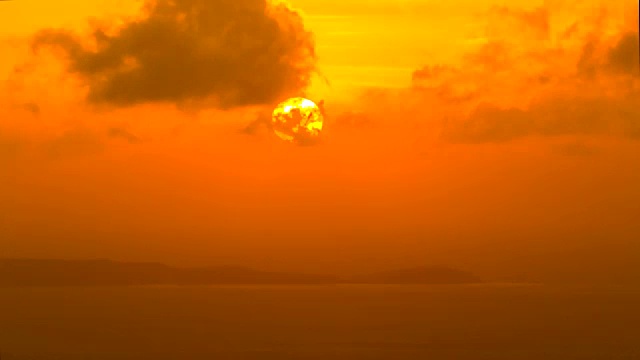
(516, 322)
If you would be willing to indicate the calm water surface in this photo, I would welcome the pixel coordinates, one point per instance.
(321, 322)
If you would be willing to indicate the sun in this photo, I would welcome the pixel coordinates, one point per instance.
(297, 120)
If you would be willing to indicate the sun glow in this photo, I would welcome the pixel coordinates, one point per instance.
(297, 120)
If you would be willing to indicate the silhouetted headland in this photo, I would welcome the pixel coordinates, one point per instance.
(110, 273)
(23, 272)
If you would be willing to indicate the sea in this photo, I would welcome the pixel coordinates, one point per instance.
(394, 322)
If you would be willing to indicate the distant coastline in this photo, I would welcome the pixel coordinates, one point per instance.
(86, 273)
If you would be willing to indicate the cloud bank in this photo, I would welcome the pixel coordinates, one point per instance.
(232, 53)
(539, 72)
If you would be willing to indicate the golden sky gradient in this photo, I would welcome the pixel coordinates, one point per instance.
(488, 134)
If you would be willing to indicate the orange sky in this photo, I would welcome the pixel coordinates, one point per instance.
(495, 136)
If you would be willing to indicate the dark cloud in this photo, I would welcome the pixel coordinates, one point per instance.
(588, 65)
(234, 53)
(124, 134)
(32, 108)
(624, 57)
(555, 116)
(262, 122)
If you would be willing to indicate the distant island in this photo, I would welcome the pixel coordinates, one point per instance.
(35, 273)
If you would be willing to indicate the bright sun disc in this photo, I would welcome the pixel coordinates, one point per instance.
(297, 120)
